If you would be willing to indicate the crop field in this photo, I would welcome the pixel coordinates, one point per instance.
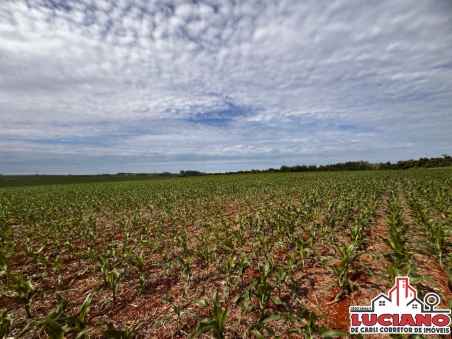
(267, 255)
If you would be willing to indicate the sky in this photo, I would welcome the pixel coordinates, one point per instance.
(98, 86)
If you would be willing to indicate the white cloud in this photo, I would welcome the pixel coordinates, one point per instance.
(269, 82)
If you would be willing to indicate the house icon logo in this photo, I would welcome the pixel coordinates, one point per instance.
(400, 312)
(402, 292)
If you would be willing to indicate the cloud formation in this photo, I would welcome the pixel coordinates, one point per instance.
(93, 86)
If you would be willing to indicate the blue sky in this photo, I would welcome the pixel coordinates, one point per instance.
(97, 86)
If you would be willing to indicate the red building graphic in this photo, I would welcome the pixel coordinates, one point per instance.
(402, 292)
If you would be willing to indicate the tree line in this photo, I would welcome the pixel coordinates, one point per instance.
(444, 161)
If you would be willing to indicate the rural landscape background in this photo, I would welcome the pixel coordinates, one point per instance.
(220, 169)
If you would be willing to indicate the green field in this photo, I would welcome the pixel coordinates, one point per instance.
(281, 250)
(38, 180)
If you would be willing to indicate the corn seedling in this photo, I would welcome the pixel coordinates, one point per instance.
(400, 255)
(62, 303)
(58, 268)
(54, 324)
(241, 267)
(257, 329)
(310, 327)
(438, 239)
(215, 322)
(281, 278)
(6, 320)
(24, 289)
(4, 265)
(230, 266)
(78, 321)
(113, 278)
(185, 272)
(262, 291)
(305, 250)
(113, 333)
(343, 270)
(141, 272)
(179, 315)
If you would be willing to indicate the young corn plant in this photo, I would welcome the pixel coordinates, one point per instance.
(78, 321)
(179, 316)
(6, 320)
(4, 265)
(70, 247)
(243, 301)
(238, 238)
(281, 278)
(56, 323)
(165, 262)
(310, 318)
(113, 333)
(305, 250)
(230, 266)
(204, 254)
(291, 269)
(262, 291)
(185, 271)
(258, 328)
(357, 233)
(241, 267)
(141, 272)
(103, 262)
(438, 239)
(43, 260)
(215, 322)
(400, 255)
(58, 268)
(113, 278)
(344, 270)
(24, 289)
(305, 322)
(127, 253)
(62, 303)
(152, 247)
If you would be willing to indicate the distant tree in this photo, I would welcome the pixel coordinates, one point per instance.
(284, 169)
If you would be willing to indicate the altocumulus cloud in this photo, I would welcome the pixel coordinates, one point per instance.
(94, 86)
